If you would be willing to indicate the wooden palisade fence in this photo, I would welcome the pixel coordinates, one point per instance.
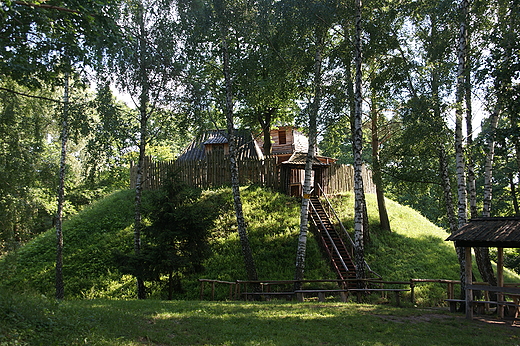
(213, 171)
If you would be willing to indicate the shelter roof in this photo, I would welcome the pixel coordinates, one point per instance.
(300, 158)
(489, 232)
(246, 146)
(218, 137)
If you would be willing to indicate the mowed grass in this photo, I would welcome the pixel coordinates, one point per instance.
(40, 321)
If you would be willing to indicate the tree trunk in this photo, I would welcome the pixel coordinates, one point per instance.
(141, 292)
(359, 249)
(446, 186)
(60, 288)
(143, 131)
(376, 170)
(459, 146)
(351, 99)
(452, 219)
(472, 189)
(235, 184)
(265, 120)
(514, 197)
(482, 253)
(488, 168)
(313, 115)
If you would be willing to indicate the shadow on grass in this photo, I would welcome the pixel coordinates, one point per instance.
(241, 323)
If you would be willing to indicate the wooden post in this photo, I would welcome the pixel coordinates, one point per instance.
(500, 277)
(201, 290)
(469, 281)
(397, 298)
(321, 296)
(300, 297)
(451, 290)
(237, 290)
(412, 289)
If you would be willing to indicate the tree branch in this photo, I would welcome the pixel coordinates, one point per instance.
(50, 7)
(28, 95)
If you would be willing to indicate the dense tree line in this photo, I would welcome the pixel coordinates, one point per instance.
(394, 85)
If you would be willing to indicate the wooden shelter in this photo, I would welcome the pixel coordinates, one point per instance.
(289, 146)
(216, 142)
(292, 173)
(499, 232)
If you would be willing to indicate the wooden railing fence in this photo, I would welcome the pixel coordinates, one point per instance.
(214, 172)
(234, 289)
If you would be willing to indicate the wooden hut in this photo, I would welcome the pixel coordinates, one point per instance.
(499, 232)
(216, 142)
(288, 145)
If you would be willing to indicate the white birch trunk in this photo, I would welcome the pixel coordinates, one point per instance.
(459, 111)
(143, 133)
(359, 251)
(459, 141)
(482, 254)
(60, 288)
(488, 167)
(472, 189)
(307, 188)
(235, 184)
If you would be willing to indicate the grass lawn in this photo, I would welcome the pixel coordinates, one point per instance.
(41, 321)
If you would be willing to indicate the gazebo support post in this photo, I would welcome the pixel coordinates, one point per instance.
(500, 277)
(468, 282)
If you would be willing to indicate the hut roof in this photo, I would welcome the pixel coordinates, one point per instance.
(246, 146)
(300, 158)
(503, 232)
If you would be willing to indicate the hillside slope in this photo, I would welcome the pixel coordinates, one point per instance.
(414, 249)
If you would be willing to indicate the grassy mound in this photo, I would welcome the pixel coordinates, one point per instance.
(91, 237)
(414, 249)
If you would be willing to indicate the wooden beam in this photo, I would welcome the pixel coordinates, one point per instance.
(468, 281)
(500, 279)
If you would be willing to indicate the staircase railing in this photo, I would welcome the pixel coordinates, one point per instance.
(330, 238)
(345, 231)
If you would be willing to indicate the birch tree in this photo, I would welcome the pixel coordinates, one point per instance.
(359, 250)
(60, 289)
(459, 139)
(39, 43)
(233, 164)
(482, 256)
(311, 151)
(459, 113)
(146, 68)
(216, 32)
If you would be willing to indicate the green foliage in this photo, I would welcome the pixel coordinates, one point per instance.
(176, 241)
(27, 165)
(37, 42)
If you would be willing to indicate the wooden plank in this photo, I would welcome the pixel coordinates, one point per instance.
(506, 290)
(468, 281)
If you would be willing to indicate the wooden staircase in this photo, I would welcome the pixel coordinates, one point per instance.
(332, 243)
